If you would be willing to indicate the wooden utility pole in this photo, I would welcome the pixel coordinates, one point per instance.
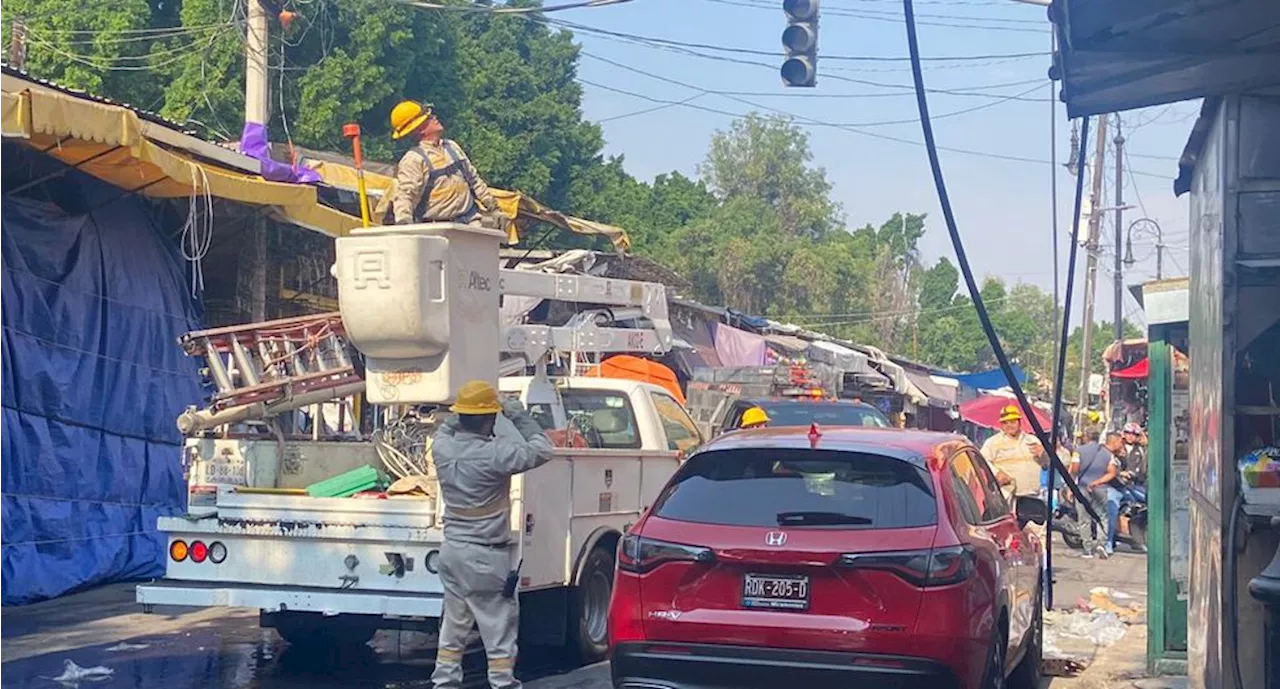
(18, 44)
(255, 73)
(1091, 269)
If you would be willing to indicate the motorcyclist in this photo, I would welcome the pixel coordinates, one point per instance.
(1134, 473)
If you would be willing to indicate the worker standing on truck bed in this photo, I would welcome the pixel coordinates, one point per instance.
(435, 181)
(476, 453)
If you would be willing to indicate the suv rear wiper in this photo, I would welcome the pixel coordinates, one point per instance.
(785, 518)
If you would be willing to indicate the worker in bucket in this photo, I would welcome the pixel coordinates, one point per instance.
(476, 452)
(754, 417)
(435, 180)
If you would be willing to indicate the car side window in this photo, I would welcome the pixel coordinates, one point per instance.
(682, 434)
(997, 506)
(972, 473)
(968, 503)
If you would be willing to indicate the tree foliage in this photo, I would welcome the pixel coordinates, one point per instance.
(757, 230)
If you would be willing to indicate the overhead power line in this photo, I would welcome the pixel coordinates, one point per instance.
(904, 89)
(499, 9)
(815, 122)
(942, 20)
(777, 53)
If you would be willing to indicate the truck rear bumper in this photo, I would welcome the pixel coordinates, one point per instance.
(281, 598)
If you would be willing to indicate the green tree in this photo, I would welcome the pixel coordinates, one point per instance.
(768, 158)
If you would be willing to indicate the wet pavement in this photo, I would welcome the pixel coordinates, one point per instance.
(177, 648)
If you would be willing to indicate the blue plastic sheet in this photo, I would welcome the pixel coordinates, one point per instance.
(92, 381)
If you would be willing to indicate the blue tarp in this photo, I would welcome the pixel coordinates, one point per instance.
(986, 380)
(92, 381)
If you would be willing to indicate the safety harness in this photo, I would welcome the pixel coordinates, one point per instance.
(455, 165)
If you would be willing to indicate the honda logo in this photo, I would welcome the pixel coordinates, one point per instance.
(775, 538)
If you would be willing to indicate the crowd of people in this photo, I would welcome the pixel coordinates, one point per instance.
(1110, 467)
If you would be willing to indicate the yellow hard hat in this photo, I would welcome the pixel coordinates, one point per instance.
(754, 416)
(407, 116)
(476, 398)
(1010, 413)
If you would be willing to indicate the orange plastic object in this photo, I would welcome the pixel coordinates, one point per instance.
(567, 438)
(630, 367)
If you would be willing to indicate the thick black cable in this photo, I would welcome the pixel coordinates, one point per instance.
(944, 199)
(1061, 367)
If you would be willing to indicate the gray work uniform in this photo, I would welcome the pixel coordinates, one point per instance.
(475, 481)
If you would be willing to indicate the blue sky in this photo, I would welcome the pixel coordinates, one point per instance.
(1002, 206)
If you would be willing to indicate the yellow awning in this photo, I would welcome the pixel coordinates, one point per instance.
(516, 205)
(106, 141)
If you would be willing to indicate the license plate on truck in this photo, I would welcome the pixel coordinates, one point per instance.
(225, 472)
(775, 591)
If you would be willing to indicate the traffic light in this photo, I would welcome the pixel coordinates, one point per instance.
(800, 38)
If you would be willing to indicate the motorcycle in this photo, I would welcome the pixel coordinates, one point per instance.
(1132, 524)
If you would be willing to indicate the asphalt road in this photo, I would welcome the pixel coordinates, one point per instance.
(225, 649)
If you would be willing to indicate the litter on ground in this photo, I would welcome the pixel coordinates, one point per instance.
(72, 674)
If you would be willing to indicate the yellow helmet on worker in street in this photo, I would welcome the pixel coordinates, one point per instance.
(407, 116)
(476, 398)
(754, 417)
(1010, 413)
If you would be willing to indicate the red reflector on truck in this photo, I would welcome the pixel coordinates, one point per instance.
(199, 551)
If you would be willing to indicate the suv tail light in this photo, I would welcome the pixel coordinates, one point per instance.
(936, 567)
(637, 554)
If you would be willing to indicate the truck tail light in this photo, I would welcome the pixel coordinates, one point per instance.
(217, 552)
(199, 551)
(178, 551)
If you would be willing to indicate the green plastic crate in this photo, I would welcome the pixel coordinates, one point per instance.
(347, 484)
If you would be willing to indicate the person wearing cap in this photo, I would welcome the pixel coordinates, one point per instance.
(435, 180)
(476, 452)
(754, 417)
(1015, 456)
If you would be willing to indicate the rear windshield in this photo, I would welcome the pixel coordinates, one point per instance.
(793, 487)
(824, 414)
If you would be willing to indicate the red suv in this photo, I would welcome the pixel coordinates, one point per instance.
(851, 557)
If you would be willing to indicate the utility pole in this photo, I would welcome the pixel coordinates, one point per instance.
(1119, 296)
(1091, 269)
(1053, 203)
(18, 44)
(255, 73)
(256, 95)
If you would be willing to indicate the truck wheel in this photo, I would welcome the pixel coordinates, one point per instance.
(589, 640)
(317, 632)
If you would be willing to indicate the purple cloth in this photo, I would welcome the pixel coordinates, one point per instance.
(253, 143)
(738, 347)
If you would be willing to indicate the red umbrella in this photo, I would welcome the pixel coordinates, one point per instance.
(985, 411)
(1138, 370)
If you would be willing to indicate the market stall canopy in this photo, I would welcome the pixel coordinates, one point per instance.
(936, 394)
(987, 380)
(1134, 372)
(111, 142)
(737, 347)
(835, 355)
(985, 411)
(1117, 56)
(786, 344)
